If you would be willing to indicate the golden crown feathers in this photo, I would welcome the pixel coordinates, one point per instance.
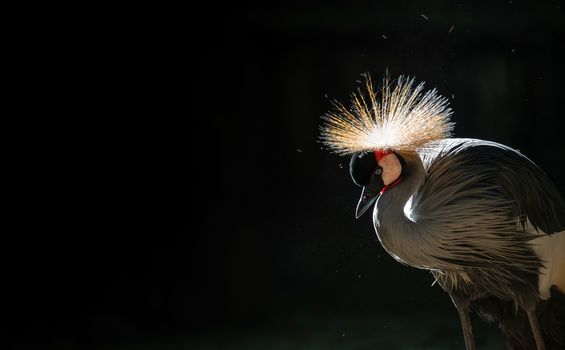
(401, 117)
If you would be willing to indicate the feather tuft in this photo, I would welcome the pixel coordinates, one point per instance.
(401, 117)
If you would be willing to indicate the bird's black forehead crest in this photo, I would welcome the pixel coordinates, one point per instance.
(361, 167)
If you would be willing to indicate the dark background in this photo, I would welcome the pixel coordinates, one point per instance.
(191, 205)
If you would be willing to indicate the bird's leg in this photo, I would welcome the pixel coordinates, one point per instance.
(534, 324)
(462, 306)
(467, 329)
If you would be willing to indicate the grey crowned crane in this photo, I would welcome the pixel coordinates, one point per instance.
(483, 218)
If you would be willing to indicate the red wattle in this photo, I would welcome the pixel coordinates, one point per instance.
(391, 185)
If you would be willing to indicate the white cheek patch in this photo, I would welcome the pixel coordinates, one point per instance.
(391, 168)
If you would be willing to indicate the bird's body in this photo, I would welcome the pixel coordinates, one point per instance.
(486, 221)
(483, 218)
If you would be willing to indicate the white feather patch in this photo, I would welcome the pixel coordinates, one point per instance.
(550, 249)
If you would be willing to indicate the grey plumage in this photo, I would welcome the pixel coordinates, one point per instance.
(470, 203)
(467, 217)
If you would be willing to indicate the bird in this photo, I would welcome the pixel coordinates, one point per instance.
(484, 219)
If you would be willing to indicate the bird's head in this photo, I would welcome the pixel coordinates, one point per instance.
(376, 172)
(384, 128)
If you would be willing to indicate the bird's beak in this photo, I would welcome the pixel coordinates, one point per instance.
(368, 197)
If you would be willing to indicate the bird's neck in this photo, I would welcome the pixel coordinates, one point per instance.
(402, 237)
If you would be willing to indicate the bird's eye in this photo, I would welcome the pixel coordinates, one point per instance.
(378, 171)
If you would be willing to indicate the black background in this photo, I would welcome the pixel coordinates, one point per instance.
(191, 205)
